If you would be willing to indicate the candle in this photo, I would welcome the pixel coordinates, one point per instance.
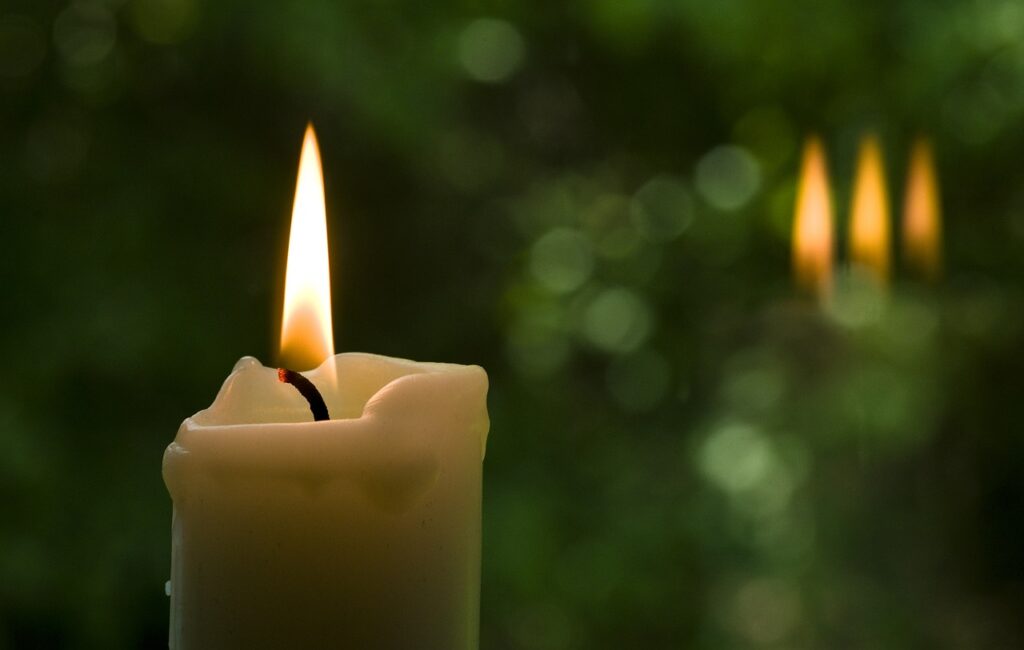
(361, 530)
(812, 224)
(869, 213)
(922, 216)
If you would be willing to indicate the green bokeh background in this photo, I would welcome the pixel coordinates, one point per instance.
(592, 201)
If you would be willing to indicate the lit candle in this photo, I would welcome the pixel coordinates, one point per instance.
(812, 224)
(869, 213)
(922, 214)
(358, 530)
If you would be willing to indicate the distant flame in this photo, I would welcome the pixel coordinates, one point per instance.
(869, 214)
(922, 215)
(812, 224)
(307, 334)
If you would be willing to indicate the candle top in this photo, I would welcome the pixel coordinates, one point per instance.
(392, 420)
(252, 393)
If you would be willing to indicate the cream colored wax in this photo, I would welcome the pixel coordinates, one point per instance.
(361, 532)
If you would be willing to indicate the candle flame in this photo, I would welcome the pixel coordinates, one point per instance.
(307, 334)
(922, 215)
(812, 224)
(869, 214)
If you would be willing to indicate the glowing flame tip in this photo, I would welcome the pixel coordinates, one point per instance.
(869, 212)
(922, 214)
(307, 337)
(812, 224)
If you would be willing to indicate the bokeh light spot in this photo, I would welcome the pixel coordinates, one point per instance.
(858, 301)
(490, 50)
(84, 33)
(728, 177)
(662, 208)
(736, 457)
(561, 260)
(617, 320)
(607, 222)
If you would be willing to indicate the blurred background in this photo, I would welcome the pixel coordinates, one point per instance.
(593, 200)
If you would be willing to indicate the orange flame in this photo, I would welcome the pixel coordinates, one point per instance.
(812, 224)
(922, 215)
(869, 214)
(307, 333)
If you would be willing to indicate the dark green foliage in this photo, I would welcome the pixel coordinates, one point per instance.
(591, 200)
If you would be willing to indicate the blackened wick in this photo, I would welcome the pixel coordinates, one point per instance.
(307, 390)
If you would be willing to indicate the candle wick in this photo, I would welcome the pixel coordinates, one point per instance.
(307, 390)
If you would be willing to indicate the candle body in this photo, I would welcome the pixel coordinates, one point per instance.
(358, 532)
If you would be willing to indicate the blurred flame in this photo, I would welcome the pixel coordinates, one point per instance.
(869, 214)
(307, 334)
(812, 224)
(922, 216)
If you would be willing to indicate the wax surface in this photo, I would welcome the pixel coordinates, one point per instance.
(362, 531)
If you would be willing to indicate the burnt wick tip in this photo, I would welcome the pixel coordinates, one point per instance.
(307, 390)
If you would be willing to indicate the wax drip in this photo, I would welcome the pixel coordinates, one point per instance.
(307, 390)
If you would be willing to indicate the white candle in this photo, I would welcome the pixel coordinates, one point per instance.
(360, 531)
